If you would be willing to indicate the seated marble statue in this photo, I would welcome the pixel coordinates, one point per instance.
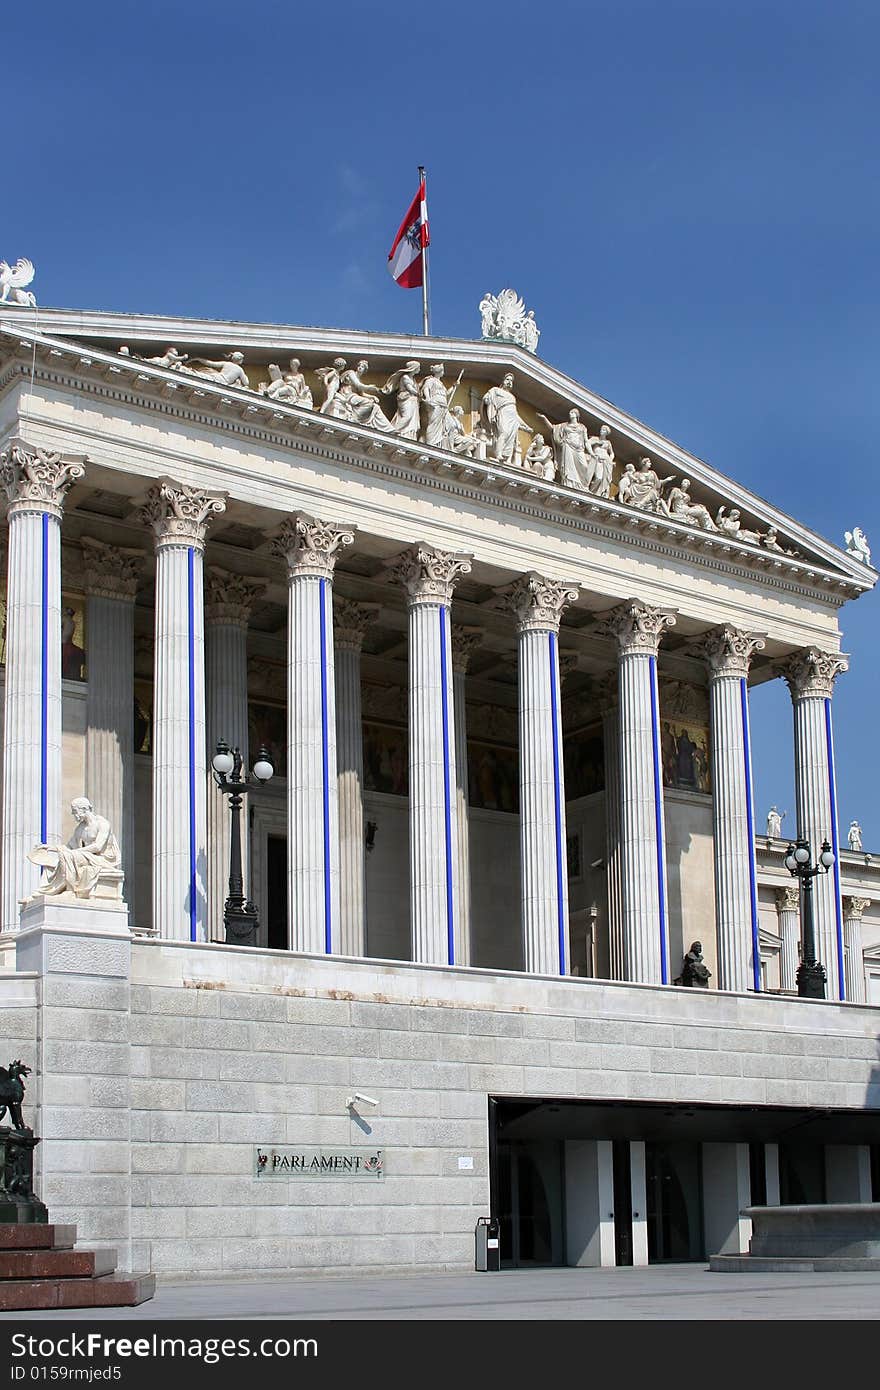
(91, 854)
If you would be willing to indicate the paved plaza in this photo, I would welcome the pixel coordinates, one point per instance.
(670, 1292)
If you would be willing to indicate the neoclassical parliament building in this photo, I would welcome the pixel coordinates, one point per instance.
(520, 947)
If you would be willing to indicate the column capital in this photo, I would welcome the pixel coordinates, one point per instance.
(310, 547)
(854, 907)
(37, 480)
(636, 627)
(465, 641)
(429, 575)
(788, 899)
(727, 651)
(110, 571)
(538, 603)
(351, 620)
(811, 674)
(180, 515)
(229, 597)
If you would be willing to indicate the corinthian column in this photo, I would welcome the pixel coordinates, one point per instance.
(727, 652)
(637, 630)
(310, 549)
(429, 576)
(179, 517)
(464, 642)
(608, 705)
(36, 483)
(855, 960)
(228, 601)
(352, 621)
(788, 910)
(111, 580)
(538, 605)
(810, 676)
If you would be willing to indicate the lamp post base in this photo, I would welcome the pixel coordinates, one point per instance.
(811, 980)
(242, 922)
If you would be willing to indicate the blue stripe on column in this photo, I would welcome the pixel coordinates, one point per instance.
(557, 804)
(44, 682)
(191, 676)
(832, 799)
(325, 770)
(447, 792)
(753, 876)
(658, 824)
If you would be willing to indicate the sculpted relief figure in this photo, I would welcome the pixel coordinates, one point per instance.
(539, 459)
(602, 451)
(681, 507)
(360, 398)
(169, 358)
(574, 460)
(729, 524)
(229, 370)
(404, 382)
(501, 420)
(288, 387)
(641, 487)
(436, 400)
(330, 378)
(91, 851)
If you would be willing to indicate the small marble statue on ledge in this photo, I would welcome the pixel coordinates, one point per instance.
(694, 971)
(89, 865)
(774, 823)
(854, 836)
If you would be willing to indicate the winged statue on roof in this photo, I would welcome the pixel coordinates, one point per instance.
(13, 279)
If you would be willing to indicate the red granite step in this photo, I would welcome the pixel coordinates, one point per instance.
(33, 1236)
(110, 1291)
(56, 1264)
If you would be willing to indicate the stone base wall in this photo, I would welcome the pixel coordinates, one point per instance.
(227, 1048)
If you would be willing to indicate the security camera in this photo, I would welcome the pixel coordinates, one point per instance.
(359, 1096)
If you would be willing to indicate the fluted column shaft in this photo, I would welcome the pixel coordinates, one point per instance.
(429, 576)
(35, 483)
(728, 653)
(464, 640)
(228, 600)
(613, 858)
(310, 548)
(855, 960)
(179, 516)
(788, 908)
(111, 578)
(637, 629)
(538, 604)
(810, 675)
(352, 620)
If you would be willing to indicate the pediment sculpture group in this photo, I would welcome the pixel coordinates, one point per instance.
(420, 407)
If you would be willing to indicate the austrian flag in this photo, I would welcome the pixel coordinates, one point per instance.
(406, 259)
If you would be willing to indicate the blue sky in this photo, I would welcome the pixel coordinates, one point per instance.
(686, 193)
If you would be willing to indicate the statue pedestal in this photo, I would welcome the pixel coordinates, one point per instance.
(19, 1204)
(45, 919)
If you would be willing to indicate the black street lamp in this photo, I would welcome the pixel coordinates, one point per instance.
(240, 916)
(810, 974)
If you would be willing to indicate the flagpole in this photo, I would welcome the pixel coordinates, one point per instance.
(425, 325)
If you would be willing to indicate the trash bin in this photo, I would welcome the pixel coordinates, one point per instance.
(487, 1241)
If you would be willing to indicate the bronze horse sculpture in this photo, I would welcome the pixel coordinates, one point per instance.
(12, 1092)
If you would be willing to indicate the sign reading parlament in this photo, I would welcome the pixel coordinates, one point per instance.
(283, 1162)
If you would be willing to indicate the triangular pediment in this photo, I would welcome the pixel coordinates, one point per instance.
(674, 495)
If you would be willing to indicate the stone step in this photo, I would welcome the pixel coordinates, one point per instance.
(56, 1264)
(36, 1236)
(110, 1291)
